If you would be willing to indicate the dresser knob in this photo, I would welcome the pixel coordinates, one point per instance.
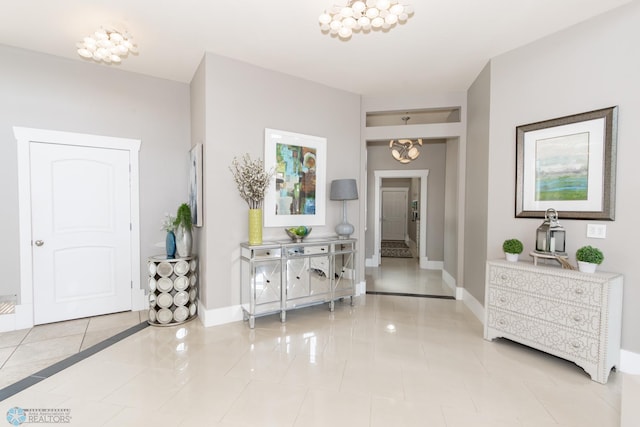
(503, 277)
(577, 318)
(579, 291)
(502, 300)
(575, 344)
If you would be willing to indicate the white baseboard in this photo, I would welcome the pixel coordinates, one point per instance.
(424, 262)
(472, 304)
(21, 318)
(219, 316)
(458, 291)
(371, 262)
(629, 362)
(138, 300)
(361, 288)
(434, 265)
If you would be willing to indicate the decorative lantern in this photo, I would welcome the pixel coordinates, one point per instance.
(550, 236)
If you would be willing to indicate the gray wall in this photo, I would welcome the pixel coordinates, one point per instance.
(48, 92)
(589, 66)
(241, 101)
(198, 98)
(476, 181)
(432, 157)
(451, 195)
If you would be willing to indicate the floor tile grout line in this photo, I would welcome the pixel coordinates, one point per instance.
(57, 367)
(84, 336)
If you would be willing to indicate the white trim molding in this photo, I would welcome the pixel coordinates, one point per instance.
(629, 362)
(472, 304)
(433, 265)
(411, 173)
(219, 316)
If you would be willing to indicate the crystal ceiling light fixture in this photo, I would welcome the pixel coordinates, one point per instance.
(107, 45)
(360, 15)
(405, 150)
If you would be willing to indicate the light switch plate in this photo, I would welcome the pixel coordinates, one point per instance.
(596, 231)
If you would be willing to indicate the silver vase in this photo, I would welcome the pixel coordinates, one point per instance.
(183, 241)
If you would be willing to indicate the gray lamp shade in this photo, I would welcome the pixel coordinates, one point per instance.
(343, 189)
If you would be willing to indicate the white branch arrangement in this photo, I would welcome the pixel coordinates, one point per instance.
(251, 179)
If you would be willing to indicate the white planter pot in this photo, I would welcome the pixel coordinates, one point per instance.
(587, 267)
(511, 257)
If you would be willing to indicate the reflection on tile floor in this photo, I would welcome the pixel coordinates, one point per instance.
(386, 361)
(404, 276)
(27, 351)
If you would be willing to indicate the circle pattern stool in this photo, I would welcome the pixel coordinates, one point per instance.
(173, 290)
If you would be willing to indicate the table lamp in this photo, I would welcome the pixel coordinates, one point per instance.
(344, 189)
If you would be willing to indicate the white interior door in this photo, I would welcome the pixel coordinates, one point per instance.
(394, 214)
(81, 231)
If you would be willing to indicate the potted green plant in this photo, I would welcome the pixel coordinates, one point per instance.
(589, 258)
(183, 227)
(512, 249)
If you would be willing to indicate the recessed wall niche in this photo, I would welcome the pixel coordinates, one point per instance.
(415, 117)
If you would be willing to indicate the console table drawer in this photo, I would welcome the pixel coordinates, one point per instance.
(558, 312)
(307, 250)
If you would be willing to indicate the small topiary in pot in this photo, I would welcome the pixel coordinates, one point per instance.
(588, 258)
(512, 246)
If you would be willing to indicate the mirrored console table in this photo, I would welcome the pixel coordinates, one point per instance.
(284, 275)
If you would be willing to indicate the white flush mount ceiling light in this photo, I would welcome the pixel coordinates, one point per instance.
(361, 15)
(107, 45)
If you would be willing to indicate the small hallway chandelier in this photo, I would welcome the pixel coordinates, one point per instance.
(107, 45)
(405, 150)
(361, 15)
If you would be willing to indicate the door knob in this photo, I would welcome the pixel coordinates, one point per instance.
(39, 242)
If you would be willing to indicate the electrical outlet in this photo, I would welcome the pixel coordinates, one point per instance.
(596, 231)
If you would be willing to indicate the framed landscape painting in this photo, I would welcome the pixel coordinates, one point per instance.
(296, 195)
(567, 164)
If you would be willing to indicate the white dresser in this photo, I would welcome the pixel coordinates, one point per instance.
(572, 315)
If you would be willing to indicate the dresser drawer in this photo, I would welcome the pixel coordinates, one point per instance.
(545, 336)
(570, 289)
(579, 318)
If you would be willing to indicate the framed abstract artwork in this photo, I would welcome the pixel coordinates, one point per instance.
(568, 164)
(297, 193)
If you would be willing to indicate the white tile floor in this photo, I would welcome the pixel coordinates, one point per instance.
(387, 361)
(27, 351)
(404, 275)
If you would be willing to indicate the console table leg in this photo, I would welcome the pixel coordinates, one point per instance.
(283, 316)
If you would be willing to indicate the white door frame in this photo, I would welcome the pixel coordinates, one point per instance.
(24, 136)
(409, 173)
(404, 190)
